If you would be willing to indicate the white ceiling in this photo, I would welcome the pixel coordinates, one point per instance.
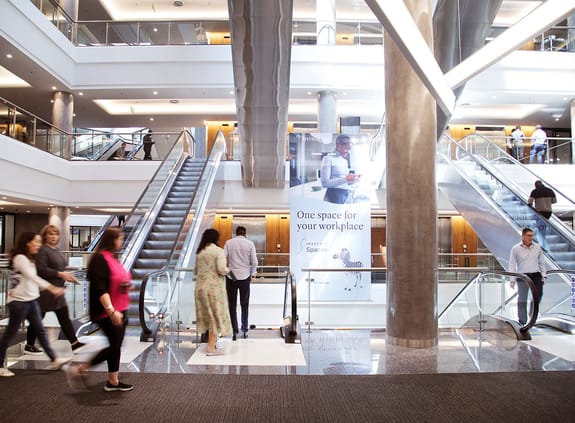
(493, 98)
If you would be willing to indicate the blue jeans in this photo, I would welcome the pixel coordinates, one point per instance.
(539, 151)
(19, 311)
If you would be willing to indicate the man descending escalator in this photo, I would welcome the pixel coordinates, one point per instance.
(542, 199)
(527, 258)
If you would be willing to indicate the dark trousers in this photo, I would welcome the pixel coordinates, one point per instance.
(20, 311)
(522, 293)
(147, 151)
(63, 316)
(232, 288)
(111, 353)
(336, 195)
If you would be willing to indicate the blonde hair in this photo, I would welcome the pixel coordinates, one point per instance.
(48, 230)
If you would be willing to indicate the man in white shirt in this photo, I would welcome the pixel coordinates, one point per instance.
(516, 143)
(527, 258)
(539, 145)
(243, 262)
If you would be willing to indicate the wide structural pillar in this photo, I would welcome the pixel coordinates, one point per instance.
(411, 196)
(63, 119)
(261, 53)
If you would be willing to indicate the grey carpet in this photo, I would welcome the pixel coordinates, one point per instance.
(42, 396)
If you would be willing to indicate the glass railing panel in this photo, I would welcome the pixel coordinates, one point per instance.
(558, 296)
(77, 295)
(486, 301)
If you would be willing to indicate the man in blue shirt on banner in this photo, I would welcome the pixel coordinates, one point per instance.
(336, 174)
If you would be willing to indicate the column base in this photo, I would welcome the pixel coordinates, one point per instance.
(410, 343)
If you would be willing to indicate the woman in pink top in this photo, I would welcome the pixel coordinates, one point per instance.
(109, 300)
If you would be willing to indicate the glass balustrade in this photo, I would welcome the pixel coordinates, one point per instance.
(146, 33)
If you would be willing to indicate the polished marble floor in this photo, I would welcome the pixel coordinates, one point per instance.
(324, 352)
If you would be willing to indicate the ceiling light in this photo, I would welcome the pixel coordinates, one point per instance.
(151, 119)
(174, 101)
(80, 93)
(8, 56)
(155, 93)
(178, 3)
(54, 88)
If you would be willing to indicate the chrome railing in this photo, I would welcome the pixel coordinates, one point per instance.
(81, 144)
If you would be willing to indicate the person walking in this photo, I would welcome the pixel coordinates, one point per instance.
(22, 299)
(527, 258)
(542, 199)
(51, 265)
(243, 262)
(212, 312)
(148, 143)
(538, 145)
(109, 300)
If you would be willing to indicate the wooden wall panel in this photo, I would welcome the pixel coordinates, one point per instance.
(223, 224)
(463, 241)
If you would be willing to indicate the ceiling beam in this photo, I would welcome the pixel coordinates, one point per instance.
(398, 22)
(541, 18)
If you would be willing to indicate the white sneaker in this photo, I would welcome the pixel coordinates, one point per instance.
(59, 362)
(74, 378)
(4, 372)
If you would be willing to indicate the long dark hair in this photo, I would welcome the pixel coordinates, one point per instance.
(108, 241)
(21, 246)
(210, 236)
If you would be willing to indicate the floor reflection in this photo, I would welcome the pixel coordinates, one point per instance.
(342, 352)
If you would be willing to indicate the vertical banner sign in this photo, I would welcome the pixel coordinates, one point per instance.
(573, 292)
(330, 232)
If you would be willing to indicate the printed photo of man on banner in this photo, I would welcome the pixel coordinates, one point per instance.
(332, 188)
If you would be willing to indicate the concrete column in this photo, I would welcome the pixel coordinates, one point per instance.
(327, 112)
(325, 26)
(62, 118)
(60, 217)
(411, 198)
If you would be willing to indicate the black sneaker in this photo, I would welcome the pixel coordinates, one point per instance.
(32, 350)
(119, 387)
(77, 345)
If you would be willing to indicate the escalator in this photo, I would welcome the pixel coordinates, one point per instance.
(496, 207)
(163, 229)
(163, 234)
(497, 210)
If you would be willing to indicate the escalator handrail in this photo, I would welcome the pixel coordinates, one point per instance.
(290, 279)
(520, 276)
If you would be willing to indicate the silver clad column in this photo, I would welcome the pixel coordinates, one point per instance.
(411, 202)
(261, 52)
(62, 118)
